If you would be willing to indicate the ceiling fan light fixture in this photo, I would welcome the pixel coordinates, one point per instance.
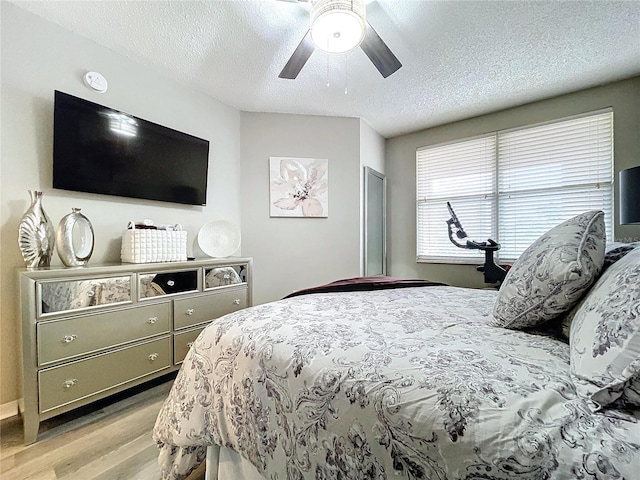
(337, 26)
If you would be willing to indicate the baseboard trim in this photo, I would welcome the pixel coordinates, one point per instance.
(9, 409)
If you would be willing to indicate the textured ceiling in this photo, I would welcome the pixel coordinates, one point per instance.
(460, 58)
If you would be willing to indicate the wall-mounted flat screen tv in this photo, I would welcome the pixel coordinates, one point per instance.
(97, 149)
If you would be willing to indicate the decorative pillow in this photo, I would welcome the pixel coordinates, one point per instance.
(567, 321)
(613, 252)
(605, 336)
(553, 273)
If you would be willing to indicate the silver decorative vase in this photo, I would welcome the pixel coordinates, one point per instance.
(35, 234)
(74, 239)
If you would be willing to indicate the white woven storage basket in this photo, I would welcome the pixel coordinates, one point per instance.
(149, 245)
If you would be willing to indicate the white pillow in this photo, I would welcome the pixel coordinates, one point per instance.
(553, 273)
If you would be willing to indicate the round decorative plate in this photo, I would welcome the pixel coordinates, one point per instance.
(219, 238)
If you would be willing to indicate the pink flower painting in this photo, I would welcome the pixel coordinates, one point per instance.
(299, 187)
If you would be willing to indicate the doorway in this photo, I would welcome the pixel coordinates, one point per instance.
(375, 223)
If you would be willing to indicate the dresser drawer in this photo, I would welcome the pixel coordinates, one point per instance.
(194, 310)
(59, 386)
(68, 338)
(182, 343)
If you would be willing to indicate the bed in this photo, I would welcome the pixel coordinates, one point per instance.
(539, 380)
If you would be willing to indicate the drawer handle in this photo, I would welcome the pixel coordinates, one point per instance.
(190, 344)
(236, 301)
(70, 383)
(152, 320)
(190, 311)
(171, 283)
(153, 357)
(69, 338)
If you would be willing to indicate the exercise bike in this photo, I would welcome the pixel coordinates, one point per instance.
(493, 273)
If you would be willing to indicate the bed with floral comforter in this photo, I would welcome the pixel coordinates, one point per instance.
(426, 382)
(402, 383)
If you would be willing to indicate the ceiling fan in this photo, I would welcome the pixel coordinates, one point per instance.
(339, 26)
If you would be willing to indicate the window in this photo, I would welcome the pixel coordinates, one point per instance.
(513, 185)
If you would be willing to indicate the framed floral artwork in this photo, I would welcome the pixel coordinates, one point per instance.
(299, 187)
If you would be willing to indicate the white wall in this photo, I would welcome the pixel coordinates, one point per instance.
(623, 96)
(371, 155)
(293, 253)
(371, 148)
(39, 57)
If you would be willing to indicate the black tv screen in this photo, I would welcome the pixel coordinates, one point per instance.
(97, 149)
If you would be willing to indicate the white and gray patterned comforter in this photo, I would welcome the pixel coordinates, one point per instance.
(405, 383)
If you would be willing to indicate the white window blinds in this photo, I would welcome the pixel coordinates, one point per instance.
(462, 173)
(548, 174)
(514, 185)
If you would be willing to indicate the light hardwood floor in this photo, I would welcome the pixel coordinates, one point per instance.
(110, 440)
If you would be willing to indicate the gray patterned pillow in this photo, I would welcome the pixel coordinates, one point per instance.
(553, 273)
(613, 252)
(605, 336)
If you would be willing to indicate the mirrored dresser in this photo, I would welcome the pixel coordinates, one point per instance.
(90, 332)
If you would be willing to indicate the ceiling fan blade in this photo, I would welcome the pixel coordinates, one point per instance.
(378, 52)
(299, 58)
